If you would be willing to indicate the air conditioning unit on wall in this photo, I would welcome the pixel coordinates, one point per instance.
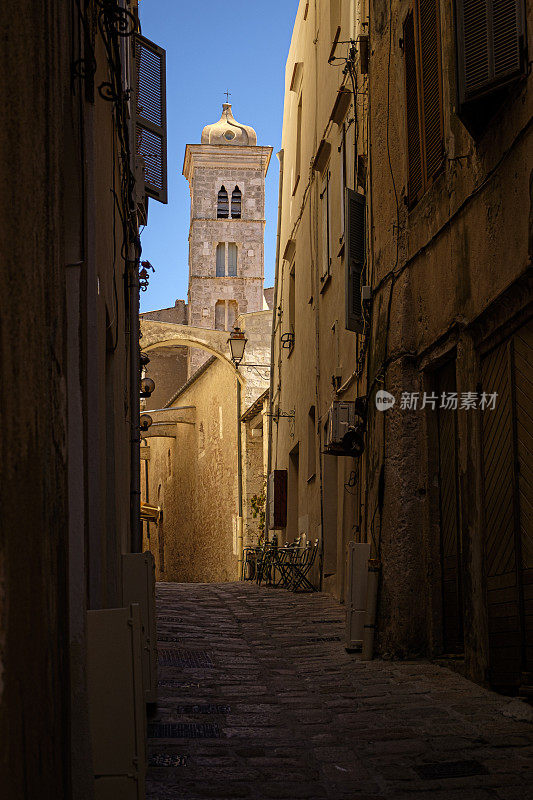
(341, 417)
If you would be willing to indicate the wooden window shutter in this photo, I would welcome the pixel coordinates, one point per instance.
(414, 152)
(430, 87)
(151, 116)
(355, 258)
(490, 45)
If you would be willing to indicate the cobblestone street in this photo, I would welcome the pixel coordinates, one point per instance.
(258, 699)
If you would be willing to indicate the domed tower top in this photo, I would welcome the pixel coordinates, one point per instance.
(228, 131)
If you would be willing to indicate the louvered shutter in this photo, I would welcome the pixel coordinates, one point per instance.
(430, 85)
(151, 116)
(355, 258)
(414, 154)
(490, 42)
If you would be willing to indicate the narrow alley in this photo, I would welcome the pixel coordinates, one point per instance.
(258, 699)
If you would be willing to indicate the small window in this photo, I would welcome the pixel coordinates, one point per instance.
(236, 203)
(221, 260)
(226, 312)
(232, 259)
(220, 315)
(233, 312)
(342, 148)
(423, 95)
(326, 226)
(292, 299)
(298, 145)
(223, 204)
(311, 443)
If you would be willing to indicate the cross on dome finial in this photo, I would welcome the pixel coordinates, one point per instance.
(228, 95)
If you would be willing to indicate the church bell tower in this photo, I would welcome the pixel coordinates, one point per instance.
(226, 175)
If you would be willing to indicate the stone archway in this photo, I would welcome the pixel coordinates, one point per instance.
(169, 334)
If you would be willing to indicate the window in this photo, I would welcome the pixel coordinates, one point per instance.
(298, 159)
(326, 226)
(226, 260)
(311, 444)
(232, 313)
(490, 46)
(232, 259)
(150, 112)
(355, 255)
(236, 202)
(220, 315)
(334, 19)
(221, 260)
(423, 92)
(342, 149)
(226, 312)
(292, 298)
(222, 204)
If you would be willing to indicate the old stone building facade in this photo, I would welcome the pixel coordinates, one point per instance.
(226, 174)
(70, 396)
(205, 457)
(205, 498)
(417, 282)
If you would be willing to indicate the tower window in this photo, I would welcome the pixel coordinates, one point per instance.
(226, 260)
(232, 259)
(223, 204)
(221, 260)
(236, 203)
(226, 312)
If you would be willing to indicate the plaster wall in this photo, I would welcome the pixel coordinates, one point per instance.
(194, 478)
(64, 333)
(324, 352)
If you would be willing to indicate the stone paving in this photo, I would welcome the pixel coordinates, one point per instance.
(258, 699)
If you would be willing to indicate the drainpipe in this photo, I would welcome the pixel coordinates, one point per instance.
(239, 477)
(272, 338)
(135, 401)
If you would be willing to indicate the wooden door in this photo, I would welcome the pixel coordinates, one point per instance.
(508, 487)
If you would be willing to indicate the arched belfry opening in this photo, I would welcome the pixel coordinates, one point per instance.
(223, 204)
(236, 203)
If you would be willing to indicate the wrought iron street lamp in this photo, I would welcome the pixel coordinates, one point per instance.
(237, 342)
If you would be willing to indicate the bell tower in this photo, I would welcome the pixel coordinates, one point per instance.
(226, 174)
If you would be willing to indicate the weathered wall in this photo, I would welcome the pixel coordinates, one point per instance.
(449, 276)
(168, 366)
(324, 352)
(194, 479)
(65, 489)
(193, 476)
(459, 249)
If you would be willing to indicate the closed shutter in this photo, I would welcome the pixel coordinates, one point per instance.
(355, 258)
(450, 541)
(508, 508)
(431, 86)
(414, 154)
(151, 116)
(490, 44)
(232, 259)
(221, 260)
(326, 226)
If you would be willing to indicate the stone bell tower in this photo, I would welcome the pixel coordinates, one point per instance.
(226, 175)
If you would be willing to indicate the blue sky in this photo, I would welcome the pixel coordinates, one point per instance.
(213, 46)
